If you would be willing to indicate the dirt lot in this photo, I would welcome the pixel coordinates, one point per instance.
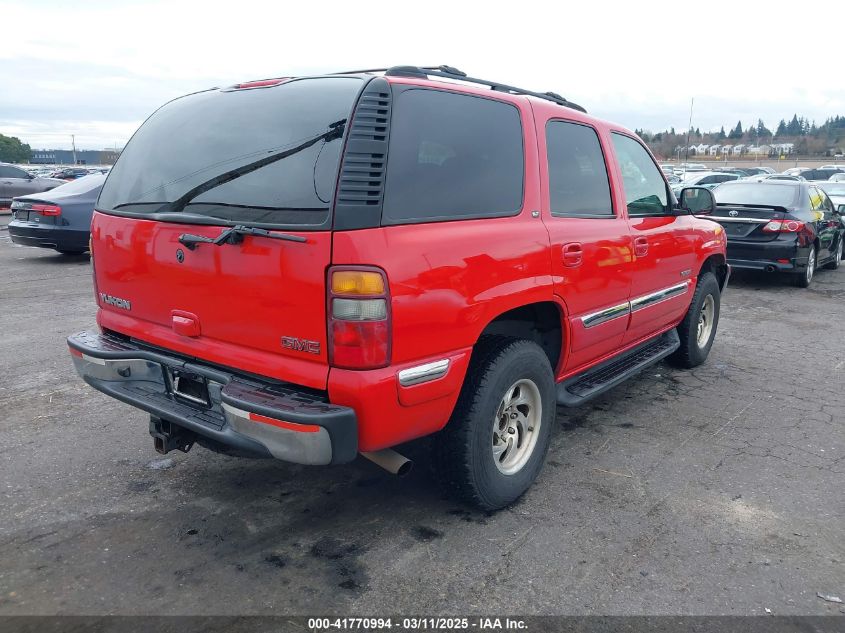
(717, 491)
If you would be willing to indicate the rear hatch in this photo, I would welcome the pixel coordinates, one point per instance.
(257, 163)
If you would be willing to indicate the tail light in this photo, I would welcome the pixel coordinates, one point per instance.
(359, 318)
(783, 226)
(46, 209)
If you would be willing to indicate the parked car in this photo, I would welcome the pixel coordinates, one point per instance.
(71, 173)
(735, 170)
(819, 173)
(835, 191)
(780, 226)
(14, 181)
(708, 179)
(428, 257)
(775, 177)
(758, 171)
(58, 219)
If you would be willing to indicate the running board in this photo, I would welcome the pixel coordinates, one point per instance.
(579, 389)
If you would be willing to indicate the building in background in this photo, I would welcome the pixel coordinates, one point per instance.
(65, 157)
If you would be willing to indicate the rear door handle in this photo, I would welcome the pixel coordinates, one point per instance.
(573, 254)
(640, 246)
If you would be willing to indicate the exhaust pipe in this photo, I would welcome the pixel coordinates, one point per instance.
(770, 269)
(391, 461)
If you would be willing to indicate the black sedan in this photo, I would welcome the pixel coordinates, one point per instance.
(780, 226)
(58, 219)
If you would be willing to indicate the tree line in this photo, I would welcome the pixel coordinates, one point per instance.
(807, 137)
(13, 151)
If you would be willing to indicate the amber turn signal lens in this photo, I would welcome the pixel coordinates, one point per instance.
(357, 282)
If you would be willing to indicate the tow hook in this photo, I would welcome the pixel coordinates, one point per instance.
(168, 436)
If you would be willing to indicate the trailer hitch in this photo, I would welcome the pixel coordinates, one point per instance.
(168, 436)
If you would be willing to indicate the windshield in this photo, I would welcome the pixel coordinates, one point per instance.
(768, 194)
(191, 141)
(837, 189)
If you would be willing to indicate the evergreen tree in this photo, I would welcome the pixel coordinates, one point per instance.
(721, 136)
(794, 127)
(781, 131)
(736, 133)
(762, 130)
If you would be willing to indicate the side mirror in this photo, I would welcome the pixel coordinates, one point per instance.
(841, 209)
(697, 200)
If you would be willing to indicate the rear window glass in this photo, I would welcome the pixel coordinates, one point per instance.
(452, 157)
(578, 184)
(772, 194)
(193, 140)
(834, 189)
(82, 185)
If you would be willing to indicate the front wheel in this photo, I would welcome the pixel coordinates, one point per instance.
(495, 443)
(698, 329)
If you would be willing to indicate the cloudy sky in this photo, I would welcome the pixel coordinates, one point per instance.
(97, 69)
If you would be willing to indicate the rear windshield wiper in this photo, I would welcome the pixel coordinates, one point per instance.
(335, 131)
(234, 235)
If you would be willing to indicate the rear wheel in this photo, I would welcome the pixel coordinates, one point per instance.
(698, 329)
(837, 257)
(803, 279)
(494, 445)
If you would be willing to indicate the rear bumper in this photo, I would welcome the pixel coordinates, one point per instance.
(260, 417)
(47, 236)
(769, 256)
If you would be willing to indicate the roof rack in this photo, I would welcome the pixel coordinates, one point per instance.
(450, 72)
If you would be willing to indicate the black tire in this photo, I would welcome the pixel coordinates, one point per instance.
(463, 451)
(692, 352)
(805, 277)
(837, 257)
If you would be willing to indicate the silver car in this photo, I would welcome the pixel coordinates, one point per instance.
(15, 182)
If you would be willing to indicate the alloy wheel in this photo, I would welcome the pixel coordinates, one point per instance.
(705, 321)
(516, 426)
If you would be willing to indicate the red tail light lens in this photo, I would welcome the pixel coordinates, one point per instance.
(783, 226)
(359, 318)
(46, 209)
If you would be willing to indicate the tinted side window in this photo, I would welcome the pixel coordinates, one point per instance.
(7, 171)
(645, 189)
(578, 183)
(451, 157)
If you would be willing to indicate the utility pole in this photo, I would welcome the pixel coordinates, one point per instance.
(73, 142)
(689, 129)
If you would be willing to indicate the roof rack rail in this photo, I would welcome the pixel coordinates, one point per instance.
(450, 72)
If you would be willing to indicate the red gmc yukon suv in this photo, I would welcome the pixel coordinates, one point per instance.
(311, 268)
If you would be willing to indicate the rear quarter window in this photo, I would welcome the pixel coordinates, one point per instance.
(452, 157)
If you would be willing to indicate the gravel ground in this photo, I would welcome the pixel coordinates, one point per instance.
(715, 491)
